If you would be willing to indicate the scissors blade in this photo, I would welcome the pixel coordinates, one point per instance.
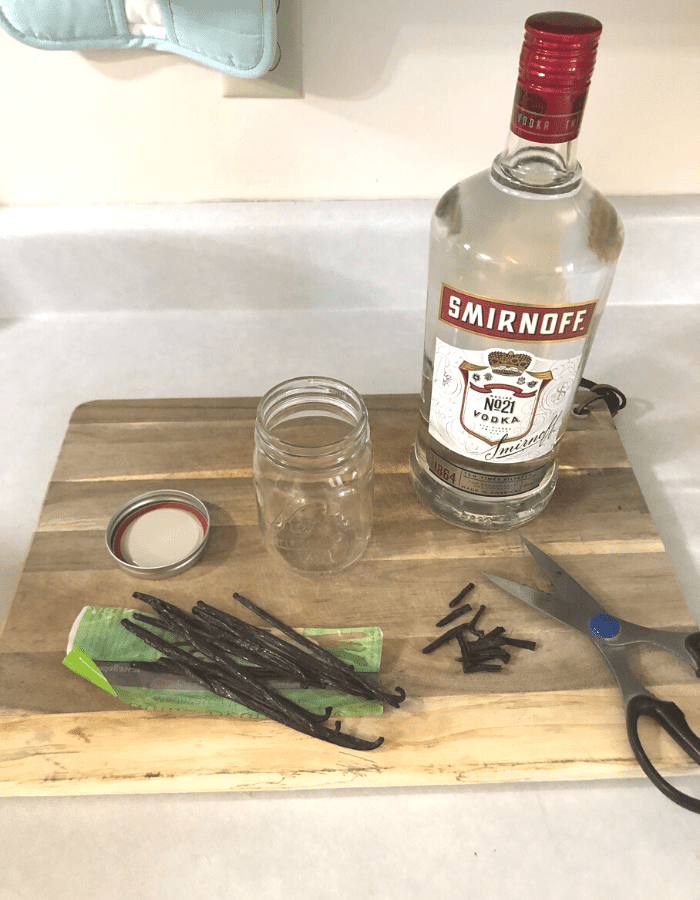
(546, 603)
(567, 589)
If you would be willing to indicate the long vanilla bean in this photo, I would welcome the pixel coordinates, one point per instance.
(336, 663)
(235, 660)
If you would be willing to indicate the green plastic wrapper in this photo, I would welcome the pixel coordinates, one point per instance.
(97, 634)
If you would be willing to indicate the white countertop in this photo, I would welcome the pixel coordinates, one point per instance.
(227, 300)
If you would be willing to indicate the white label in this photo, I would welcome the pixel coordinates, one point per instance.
(500, 405)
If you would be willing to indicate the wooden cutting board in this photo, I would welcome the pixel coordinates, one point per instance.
(549, 714)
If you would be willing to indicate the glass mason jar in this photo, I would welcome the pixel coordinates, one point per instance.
(313, 473)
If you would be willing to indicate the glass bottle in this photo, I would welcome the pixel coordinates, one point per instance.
(313, 474)
(522, 258)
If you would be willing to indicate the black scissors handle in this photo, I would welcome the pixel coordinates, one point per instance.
(613, 637)
(673, 721)
(638, 702)
(692, 646)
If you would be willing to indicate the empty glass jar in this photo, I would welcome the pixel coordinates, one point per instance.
(313, 473)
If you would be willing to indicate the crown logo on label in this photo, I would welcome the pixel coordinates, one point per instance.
(509, 363)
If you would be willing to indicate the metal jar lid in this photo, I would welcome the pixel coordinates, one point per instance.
(159, 534)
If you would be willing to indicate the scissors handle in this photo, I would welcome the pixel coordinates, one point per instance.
(692, 645)
(673, 721)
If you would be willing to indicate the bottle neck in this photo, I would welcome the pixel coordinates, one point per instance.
(554, 73)
(526, 166)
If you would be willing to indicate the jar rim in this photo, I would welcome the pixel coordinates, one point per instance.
(285, 399)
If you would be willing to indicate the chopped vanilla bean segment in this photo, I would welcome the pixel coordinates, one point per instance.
(477, 655)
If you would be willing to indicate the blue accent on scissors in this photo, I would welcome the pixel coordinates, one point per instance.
(604, 626)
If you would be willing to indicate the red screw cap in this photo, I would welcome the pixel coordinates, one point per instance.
(556, 64)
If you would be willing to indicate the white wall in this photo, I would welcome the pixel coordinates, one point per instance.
(403, 98)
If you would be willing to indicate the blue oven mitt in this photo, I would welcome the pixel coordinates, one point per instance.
(238, 37)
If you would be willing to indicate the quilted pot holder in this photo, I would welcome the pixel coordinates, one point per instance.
(238, 37)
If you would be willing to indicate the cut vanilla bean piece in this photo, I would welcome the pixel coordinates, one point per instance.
(461, 595)
(476, 655)
(463, 643)
(455, 614)
(465, 658)
(516, 642)
(445, 637)
(472, 623)
(484, 655)
(482, 667)
(493, 635)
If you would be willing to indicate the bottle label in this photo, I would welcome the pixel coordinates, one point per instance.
(500, 405)
(515, 321)
(482, 483)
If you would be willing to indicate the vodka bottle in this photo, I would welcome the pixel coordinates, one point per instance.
(522, 257)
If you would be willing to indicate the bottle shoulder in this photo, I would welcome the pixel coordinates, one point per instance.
(480, 215)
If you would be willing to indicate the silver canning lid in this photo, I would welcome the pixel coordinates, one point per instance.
(159, 534)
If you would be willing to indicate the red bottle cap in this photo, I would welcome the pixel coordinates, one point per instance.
(556, 64)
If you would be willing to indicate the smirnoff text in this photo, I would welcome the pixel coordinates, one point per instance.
(514, 321)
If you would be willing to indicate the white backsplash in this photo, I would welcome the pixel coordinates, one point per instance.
(284, 255)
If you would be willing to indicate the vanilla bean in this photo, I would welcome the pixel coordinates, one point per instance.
(465, 658)
(462, 594)
(455, 614)
(445, 637)
(476, 655)
(482, 667)
(493, 636)
(292, 634)
(234, 659)
(516, 642)
(472, 623)
(256, 640)
(256, 697)
(352, 676)
(242, 648)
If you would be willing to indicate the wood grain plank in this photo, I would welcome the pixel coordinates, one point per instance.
(202, 446)
(492, 738)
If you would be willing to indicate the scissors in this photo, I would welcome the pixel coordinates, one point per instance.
(614, 636)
